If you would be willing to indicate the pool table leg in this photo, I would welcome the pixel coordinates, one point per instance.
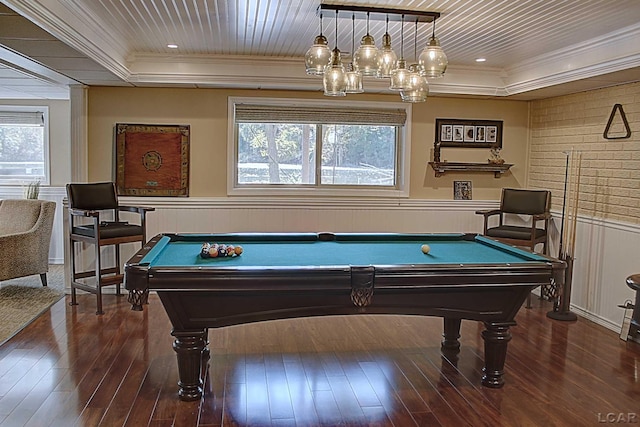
(496, 337)
(189, 347)
(451, 335)
(450, 345)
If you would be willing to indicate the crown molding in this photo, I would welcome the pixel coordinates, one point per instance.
(592, 58)
(285, 73)
(102, 46)
(33, 69)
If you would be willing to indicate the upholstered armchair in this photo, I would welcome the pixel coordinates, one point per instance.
(25, 236)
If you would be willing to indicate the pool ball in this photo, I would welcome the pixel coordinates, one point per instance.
(204, 251)
(238, 250)
(425, 249)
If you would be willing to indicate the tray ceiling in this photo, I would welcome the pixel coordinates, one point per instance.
(533, 48)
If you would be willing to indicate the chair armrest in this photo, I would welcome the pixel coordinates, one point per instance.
(541, 216)
(83, 212)
(487, 213)
(138, 209)
(27, 252)
(21, 243)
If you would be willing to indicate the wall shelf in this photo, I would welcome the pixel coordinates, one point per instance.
(498, 169)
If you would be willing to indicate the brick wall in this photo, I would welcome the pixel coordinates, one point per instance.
(610, 173)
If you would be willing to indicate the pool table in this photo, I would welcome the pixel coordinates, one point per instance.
(289, 275)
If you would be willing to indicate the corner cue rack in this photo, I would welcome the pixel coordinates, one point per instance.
(498, 169)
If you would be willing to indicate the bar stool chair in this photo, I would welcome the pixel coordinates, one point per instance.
(97, 204)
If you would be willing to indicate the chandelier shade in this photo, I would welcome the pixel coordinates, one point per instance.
(319, 55)
(400, 76)
(353, 81)
(387, 58)
(334, 79)
(365, 60)
(418, 87)
(432, 59)
(353, 77)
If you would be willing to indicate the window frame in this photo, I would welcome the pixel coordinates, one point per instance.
(402, 156)
(46, 179)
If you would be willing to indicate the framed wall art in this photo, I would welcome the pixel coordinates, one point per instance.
(469, 133)
(461, 190)
(152, 160)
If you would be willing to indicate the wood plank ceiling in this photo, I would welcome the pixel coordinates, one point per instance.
(533, 48)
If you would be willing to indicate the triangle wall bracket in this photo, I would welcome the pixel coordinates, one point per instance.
(605, 134)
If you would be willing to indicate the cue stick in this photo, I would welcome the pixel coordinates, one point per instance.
(567, 219)
(572, 203)
(564, 202)
(575, 207)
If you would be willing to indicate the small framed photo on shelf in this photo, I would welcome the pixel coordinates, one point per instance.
(461, 190)
(469, 133)
(458, 133)
(447, 133)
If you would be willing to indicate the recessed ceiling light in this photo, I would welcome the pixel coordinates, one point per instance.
(481, 59)
(172, 46)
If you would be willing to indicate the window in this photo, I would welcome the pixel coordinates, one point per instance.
(293, 146)
(23, 145)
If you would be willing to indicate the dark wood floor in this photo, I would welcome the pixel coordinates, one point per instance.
(71, 367)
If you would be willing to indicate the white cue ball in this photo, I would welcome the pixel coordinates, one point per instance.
(425, 249)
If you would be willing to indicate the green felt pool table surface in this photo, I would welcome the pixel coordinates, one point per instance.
(282, 250)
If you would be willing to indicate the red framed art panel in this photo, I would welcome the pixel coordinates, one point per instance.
(152, 160)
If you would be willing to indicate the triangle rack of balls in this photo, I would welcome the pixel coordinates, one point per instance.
(219, 250)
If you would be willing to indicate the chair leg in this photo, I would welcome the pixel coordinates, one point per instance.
(117, 251)
(98, 281)
(99, 301)
(73, 274)
(43, 279)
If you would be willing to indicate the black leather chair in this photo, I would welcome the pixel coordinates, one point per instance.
(94, 219)
(534, 204)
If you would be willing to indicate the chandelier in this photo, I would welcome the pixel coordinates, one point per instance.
(369, 61)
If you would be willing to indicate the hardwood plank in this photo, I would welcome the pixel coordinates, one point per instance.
(304, 410)
(73, 367)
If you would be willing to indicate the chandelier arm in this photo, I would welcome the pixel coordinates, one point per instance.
(402, 38)
(415, 42)
(336, 29)
(353, 31)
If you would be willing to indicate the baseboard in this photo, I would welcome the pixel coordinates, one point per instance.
(596, 319)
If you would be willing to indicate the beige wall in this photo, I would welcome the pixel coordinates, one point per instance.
(610, 172)
(59, 136)
(205, 110)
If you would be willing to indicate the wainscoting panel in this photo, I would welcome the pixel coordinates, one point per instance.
(313, 215)
(606, 254)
